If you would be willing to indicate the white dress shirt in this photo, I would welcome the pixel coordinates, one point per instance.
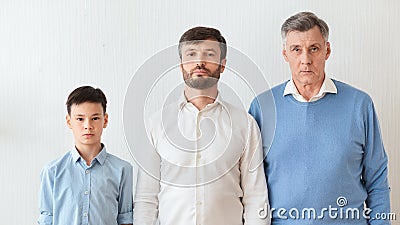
(327, 87)
(210, 167)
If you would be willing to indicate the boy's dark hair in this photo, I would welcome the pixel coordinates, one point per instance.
(197, 34)
(86, 94)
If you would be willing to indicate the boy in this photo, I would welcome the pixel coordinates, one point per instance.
(87, 185)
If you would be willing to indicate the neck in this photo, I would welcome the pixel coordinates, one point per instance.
(201, 98)
(88, 153)
(308, 90)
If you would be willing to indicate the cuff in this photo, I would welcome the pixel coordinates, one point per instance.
(45, 219)
(125, 218)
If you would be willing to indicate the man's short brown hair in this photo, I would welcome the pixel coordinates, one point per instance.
(196, 34)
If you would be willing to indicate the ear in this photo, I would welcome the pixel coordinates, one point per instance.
(284, 53)
(181, 66)
(105, 120)
(328, 50)
(222, 63)
(68, 120)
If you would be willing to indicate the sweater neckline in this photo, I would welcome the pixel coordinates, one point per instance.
(291, 99)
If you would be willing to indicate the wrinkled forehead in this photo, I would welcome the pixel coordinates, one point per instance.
(311, 35)
(202, 45)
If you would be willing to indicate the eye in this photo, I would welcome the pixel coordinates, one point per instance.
(314, 49)
(95, 118)
(296, 49)
(210, 54)
(190, 54)
(79, 119)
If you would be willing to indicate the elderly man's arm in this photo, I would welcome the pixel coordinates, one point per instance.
(375, 170)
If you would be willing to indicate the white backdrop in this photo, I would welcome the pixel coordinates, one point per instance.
(50, 47)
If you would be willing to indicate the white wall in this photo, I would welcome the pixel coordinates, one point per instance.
(49, 47)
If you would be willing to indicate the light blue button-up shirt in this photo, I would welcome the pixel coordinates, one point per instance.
(73, 193)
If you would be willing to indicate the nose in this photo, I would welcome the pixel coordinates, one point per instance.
(306, 58)
(201, 60)
(88, 124)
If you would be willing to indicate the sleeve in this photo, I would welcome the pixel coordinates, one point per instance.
(125, 203)
(147, 188)
(255, 192)
(46, 196)
(146, 199)
(263, 110)
(255, 111)
(375, 170)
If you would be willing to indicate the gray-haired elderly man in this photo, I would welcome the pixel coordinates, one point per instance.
(326, 157)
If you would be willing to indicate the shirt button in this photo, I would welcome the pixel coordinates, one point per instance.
(199, 156)
(86, 192)
(85, 214)
(87, 171)
(199, 203)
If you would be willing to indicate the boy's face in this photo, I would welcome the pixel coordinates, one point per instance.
(87, 121)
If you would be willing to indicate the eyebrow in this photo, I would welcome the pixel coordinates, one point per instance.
(315, 44)
(195, 49)
(209, 49)
(191, 49)
(95, 114)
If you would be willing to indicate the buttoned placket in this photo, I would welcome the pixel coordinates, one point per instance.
(199, 162)
(199, 176)
(86, 192)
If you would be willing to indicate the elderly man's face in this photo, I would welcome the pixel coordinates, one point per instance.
(306, 53)
(201, 64)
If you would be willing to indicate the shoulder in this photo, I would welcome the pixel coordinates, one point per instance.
(265, 102)
(233, 109)
(274, 91)
(352, 93)
(51, 170)
(269, 96)
(155, 118)
(116, 161)
(278, 89)
(239, 115)
(349, 89)
(356, 101)
(60, 161)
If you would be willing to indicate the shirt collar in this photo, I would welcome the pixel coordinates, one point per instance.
(101, 157)
(327, 87)
(182, 101)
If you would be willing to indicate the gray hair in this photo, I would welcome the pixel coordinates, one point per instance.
(304, 21)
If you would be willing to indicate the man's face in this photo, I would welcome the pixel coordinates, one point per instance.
(87, 121)
(201, 64)
(306, 53)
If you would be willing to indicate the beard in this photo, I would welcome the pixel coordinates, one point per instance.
(201, 82)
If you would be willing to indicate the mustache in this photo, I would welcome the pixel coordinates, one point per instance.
(200, 67)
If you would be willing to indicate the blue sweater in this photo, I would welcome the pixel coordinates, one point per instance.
(322, 156)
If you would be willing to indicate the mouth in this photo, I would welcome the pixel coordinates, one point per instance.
(200, 72)
(306, 72)
(88, 135)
